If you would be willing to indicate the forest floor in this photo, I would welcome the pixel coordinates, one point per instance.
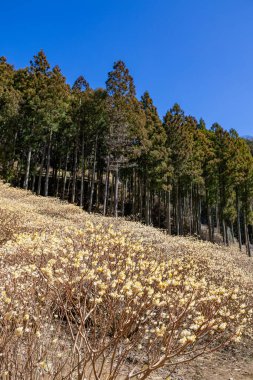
(31, 213)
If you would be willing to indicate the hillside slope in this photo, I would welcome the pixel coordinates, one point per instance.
(31, 217)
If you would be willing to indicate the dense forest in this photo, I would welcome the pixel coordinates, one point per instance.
(109, 152)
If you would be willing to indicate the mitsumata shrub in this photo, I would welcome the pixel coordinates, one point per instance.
(85, 303)
(81, 298)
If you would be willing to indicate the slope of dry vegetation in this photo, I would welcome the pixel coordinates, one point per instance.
(86, 297)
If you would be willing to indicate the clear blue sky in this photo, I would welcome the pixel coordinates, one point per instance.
(198, 53)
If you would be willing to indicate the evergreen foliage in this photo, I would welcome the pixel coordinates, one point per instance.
(109, 152)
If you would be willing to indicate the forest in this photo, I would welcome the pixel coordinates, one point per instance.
(111, 153)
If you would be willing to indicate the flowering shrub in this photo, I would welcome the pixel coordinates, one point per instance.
(91, 302)
(112, 300)
(10, 222)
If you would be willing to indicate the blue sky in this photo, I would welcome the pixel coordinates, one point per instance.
(198, 53)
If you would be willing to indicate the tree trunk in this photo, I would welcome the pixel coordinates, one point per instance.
(27, 172)
(141, 190)
(116, 196)
(191, 212)
(73, 194)
(41, 170)
(33, 182)
(68, 189)
(111, 208)
(98, 189)
(217, 219)
(106, 185)
(168, 213)
(238, 222)
(83, 172)
(177, 209)
(93, 175)
(232, 232)
(48, 164)
(209, 222)
(133, 188)
(212, 223)
(58, 178)
(159, 209)
(246, 231)
(199, 213)
(123, 199)
(147, 203)
(224, 234)
(12, 161)
(65, 177)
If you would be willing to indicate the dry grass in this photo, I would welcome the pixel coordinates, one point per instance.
(90, 297)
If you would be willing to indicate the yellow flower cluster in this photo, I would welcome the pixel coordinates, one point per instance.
(93, 293)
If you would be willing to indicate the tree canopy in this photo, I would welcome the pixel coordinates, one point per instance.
(110, 152)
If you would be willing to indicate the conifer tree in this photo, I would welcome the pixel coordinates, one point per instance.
(154, 162)
(9, 110)
(126, 122)
(107, 151)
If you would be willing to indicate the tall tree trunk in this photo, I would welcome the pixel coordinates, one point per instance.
(191, 211)
(151, 209)
(224, 231)
(147, 202)
(106, 185)
(238, 221)
(116, 196)
(93, 175)
(33, 182)
(141, 196)
(246, 231)
(48, 164)
(98, 191)
(159, 209)
(134, 200)
(209, 222)
(54, 179)
(226, 234)
(73, 194)
(112, 193)
(19, 172)
(58, 178)
(232, 232)
(65, 176)
(41, 170)
(27, 172)
(12, 161)
(199, 216)
(82, 173)
(217, 218)
(168, 212)
(68, 188)
(123, 199)
(177, 209)
(136, 196)
(212, 224)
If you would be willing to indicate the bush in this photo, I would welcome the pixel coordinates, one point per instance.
(9, 225)
(93, 303)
